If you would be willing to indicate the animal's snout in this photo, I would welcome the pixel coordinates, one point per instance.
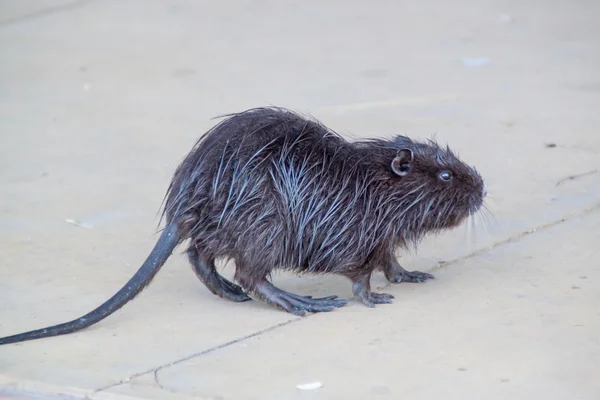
(484, 190)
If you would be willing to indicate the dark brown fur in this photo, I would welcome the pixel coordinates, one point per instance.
(271, 189)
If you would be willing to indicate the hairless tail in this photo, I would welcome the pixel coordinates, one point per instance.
(167, 241)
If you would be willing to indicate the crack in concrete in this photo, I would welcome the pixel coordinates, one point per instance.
(42, 13)
(576, 176)
(200, 353)
(155, 371)
(157, 382)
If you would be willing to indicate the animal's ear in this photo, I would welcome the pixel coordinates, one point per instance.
(403, 162)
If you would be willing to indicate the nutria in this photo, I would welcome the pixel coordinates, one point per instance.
(272, 189)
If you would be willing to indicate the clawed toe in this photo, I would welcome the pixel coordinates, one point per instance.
(231, 291)
(310, 298)
(317, 305)
(370, 299)
(417, 277)
(410, 276)
(296, 304)
(361, 288)
(238, 297)
(382, 298)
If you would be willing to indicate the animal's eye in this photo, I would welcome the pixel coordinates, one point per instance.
(445, 176)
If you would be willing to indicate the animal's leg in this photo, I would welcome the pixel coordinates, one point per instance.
(394, 273)
(254, 280)
(361, 287)
(205, 270)
(293, 303)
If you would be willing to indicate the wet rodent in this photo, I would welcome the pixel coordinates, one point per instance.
(272, 189)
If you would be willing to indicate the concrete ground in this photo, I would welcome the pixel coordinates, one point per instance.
(100, 99)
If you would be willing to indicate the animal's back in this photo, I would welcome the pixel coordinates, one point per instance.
(258, 182)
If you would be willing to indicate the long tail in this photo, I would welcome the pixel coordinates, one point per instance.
(162, 250)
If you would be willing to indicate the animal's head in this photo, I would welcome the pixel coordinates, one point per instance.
(437, 186)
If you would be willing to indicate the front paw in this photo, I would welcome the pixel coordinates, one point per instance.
(409, 276)
(369, 299)
(395, 277)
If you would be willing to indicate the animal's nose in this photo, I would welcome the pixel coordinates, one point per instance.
(484, 190)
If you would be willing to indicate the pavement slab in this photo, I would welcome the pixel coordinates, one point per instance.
(100, 99)
(516, 322)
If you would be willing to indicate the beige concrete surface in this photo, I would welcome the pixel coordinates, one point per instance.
(99, 101)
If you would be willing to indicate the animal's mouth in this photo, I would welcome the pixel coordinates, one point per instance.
(477, 205)
(478, 200)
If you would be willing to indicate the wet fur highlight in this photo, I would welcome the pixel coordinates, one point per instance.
(271, 189)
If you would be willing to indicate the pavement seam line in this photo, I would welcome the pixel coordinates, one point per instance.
(521, 235)
(200, 353)
(44, 12)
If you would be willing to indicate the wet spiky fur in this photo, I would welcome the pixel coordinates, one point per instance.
(271, 189)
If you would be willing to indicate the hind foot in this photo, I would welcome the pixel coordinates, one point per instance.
(230, 290)
(294, 303)
(411, 276)
(205, 271)
(396, 274)
(369, 299)
(361, 287)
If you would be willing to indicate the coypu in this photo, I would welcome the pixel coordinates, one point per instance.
(272, 189)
